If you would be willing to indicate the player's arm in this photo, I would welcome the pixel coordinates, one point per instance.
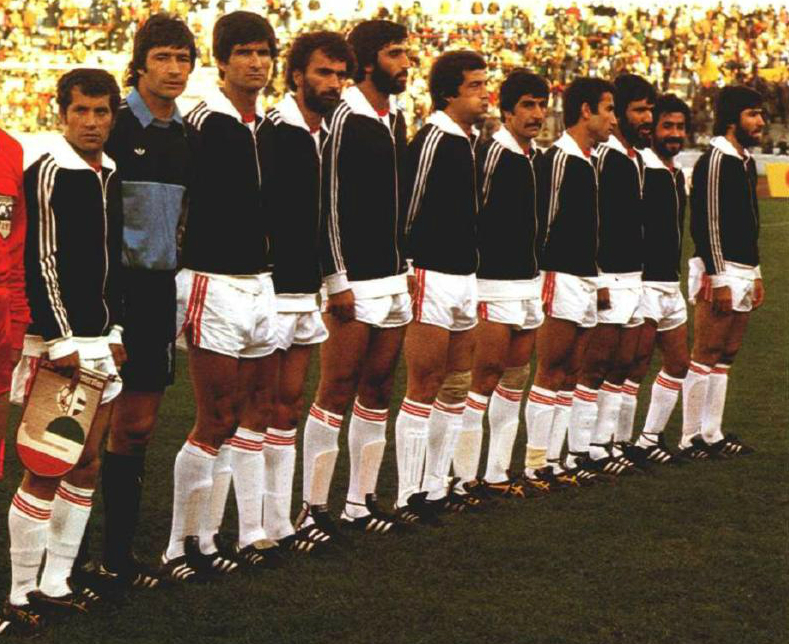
(705, 212)
(43, 278)
(336, 180)
(114, 251)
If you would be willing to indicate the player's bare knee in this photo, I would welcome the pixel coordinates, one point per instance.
(136, 430)
(86, 472)
(515, 378)
(454, 388)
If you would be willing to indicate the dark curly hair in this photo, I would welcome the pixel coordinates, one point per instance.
(329, 42)
(160, 30)
(91, 82)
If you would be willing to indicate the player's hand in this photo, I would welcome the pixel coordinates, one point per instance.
(342, 305)
(603, 299)
(412, 286)
(721, 300)
(118, 354)
(758, 293)
(68, 366)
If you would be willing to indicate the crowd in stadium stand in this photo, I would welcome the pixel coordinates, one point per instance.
(687, 50)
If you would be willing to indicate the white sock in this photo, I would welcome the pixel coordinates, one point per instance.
(712, 417)
(665, 391)
(694, 395)
(366, 442)
(70, 514)
(609, 402)
(561, 421)
(583, 416)
(246, 460)
(465, 463)
(320, 454)
(191, 493)
(28, 519)
(411, 444)
(627, 412)
(279, 451)
(442, 431)
(503, 418)
(221, 474)
(540, 407)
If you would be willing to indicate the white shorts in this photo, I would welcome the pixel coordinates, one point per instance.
(26, 368)
(523, 315)
(300, 329)
(445, 300)
(624, 292)
(663, 303)
(738, 278)
(569, 297)
(232, 315)
(383, 312)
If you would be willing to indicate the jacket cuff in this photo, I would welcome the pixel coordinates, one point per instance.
(337, 283)
(18, 330)
(410, 264)
(115, 335)
(61, 347)
(757, 273)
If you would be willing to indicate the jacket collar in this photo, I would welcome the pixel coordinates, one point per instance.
(505, 138)
(568, 145)
(67, 158)
(143, 113)
(444, 122)
(725, 146)
(216, 101)
(615, 144)
(652, 160)
(360, 105)
(290, 113)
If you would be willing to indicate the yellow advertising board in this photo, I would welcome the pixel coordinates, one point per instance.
(778, 179)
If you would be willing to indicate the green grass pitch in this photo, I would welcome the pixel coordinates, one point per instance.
(697, 554)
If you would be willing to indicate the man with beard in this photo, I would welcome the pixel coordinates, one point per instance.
(508, 282)
(442, 243)
(227, 310)
(318, 65)
(724, 280)
(567, 202)
(612, 344)
(364, 268)
(662, 303)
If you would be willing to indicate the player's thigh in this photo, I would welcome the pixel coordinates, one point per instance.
(216, 388)
(736, 334)
(710, 332)
(133, 417)
(555, 341)
(492, 346)
(294, 363)
(521, 347)
(343, 352)
(460, 350)
(673, 346)
(426, 347)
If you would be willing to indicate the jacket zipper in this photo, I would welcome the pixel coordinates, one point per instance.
(476, 199)
(536, 227)
(676, 209)
(397, 195)
(103, 183)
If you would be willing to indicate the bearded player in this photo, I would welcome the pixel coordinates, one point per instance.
(367, 304)
(724, 280)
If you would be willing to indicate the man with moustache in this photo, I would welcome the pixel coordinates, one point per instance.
(367, 304)
(662, 303)
(612, 343)
(572, 294)
(508, 283)
(149, 144)
(442, 246)
(318, 65)
(724, 280)
(72, 271)
(227, 310)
